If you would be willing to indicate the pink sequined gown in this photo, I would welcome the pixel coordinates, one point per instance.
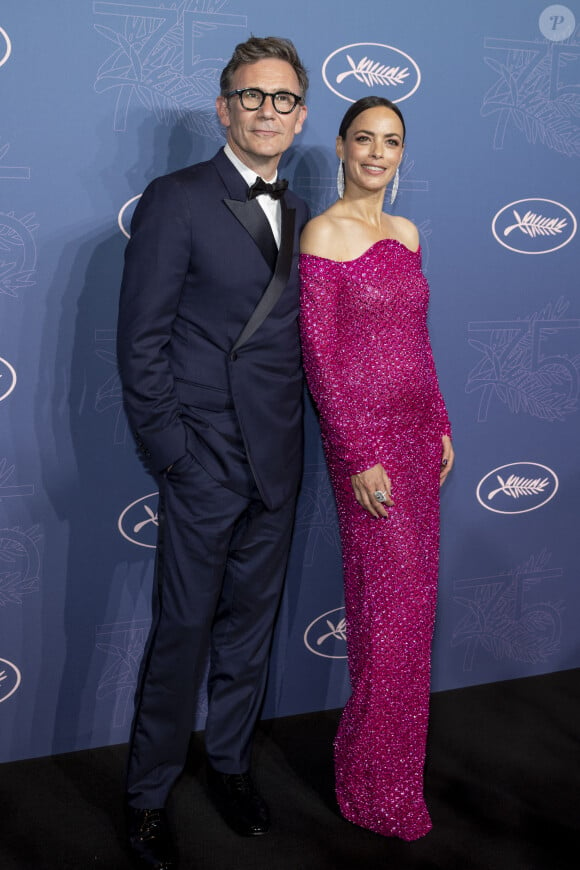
(370, 369)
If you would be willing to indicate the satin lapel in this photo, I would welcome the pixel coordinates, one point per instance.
(251, 216)
(279, 279)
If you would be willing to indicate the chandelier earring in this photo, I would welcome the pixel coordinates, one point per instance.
(395, 186)
(340, 179)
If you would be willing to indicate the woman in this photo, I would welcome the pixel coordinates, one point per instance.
(387, 442)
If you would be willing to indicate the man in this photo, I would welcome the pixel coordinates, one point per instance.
(210, 363)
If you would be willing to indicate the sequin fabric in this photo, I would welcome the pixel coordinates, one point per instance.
(370, 369)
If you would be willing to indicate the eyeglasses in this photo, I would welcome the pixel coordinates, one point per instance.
(252, 98)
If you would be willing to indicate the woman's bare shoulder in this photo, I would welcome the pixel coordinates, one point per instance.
(405, 231)
(319, 235)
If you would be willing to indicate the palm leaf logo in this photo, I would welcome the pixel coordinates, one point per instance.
(516, 486)
(151, 518)
(536, 225)
(372, 73)
(337, 631)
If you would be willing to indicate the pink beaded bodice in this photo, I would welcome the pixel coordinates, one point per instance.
(366, 348)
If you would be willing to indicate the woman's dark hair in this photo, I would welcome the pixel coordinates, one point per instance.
(368, 103)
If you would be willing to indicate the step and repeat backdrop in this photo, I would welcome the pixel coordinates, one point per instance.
(98, 98)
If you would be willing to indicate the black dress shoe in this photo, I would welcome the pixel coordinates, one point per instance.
(240, 805)
(150, 839)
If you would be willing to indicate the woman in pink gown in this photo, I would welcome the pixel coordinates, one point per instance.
(386, 437)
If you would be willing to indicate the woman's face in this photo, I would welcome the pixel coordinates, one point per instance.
(372, 149)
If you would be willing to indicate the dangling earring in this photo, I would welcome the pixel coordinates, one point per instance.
(395, 186)
(340, 179)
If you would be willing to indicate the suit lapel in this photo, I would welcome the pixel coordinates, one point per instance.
(248, 212)
(278, 281)
(251, 216)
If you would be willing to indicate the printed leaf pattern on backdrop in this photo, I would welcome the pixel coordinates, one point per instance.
(17, 253)
(19, 564)
(123, 646)
(316, 524)
(146, 66)
(523, 95)
(109, 396)
(502, 621)
(17, 245)
(506, 370)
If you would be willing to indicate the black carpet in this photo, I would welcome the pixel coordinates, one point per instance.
(502, 785)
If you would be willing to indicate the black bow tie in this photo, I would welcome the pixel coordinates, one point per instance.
(274, 190)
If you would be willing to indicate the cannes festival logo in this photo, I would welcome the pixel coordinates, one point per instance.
(534, 226)
(10, 679)
(361, 68)
(138, 521)
(5, 46)
(7, 379)
(125, 215)
(517, 488)
(326, 635)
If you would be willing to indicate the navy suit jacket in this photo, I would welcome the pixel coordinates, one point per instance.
(198, 261)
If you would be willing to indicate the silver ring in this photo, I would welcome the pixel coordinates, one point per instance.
(380, 495)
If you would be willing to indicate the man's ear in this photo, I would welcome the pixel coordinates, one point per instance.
(222, 109)
(302, 113)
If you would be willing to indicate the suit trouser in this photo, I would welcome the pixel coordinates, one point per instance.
(220, 568)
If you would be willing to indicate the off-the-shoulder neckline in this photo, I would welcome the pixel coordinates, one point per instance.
(364, 253)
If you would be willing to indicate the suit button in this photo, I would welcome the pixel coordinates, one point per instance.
(233, 356)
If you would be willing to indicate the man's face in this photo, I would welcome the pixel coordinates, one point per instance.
(259, 138)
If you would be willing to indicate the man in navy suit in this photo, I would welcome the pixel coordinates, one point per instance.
(210, 363)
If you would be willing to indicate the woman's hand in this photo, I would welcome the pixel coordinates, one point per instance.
(365, 485)
(447, 458)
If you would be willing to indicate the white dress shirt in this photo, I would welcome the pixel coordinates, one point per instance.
(272, 208)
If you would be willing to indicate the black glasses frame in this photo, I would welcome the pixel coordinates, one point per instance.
(241, 91)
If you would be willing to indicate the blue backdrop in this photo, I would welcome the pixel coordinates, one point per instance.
(100, 97)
